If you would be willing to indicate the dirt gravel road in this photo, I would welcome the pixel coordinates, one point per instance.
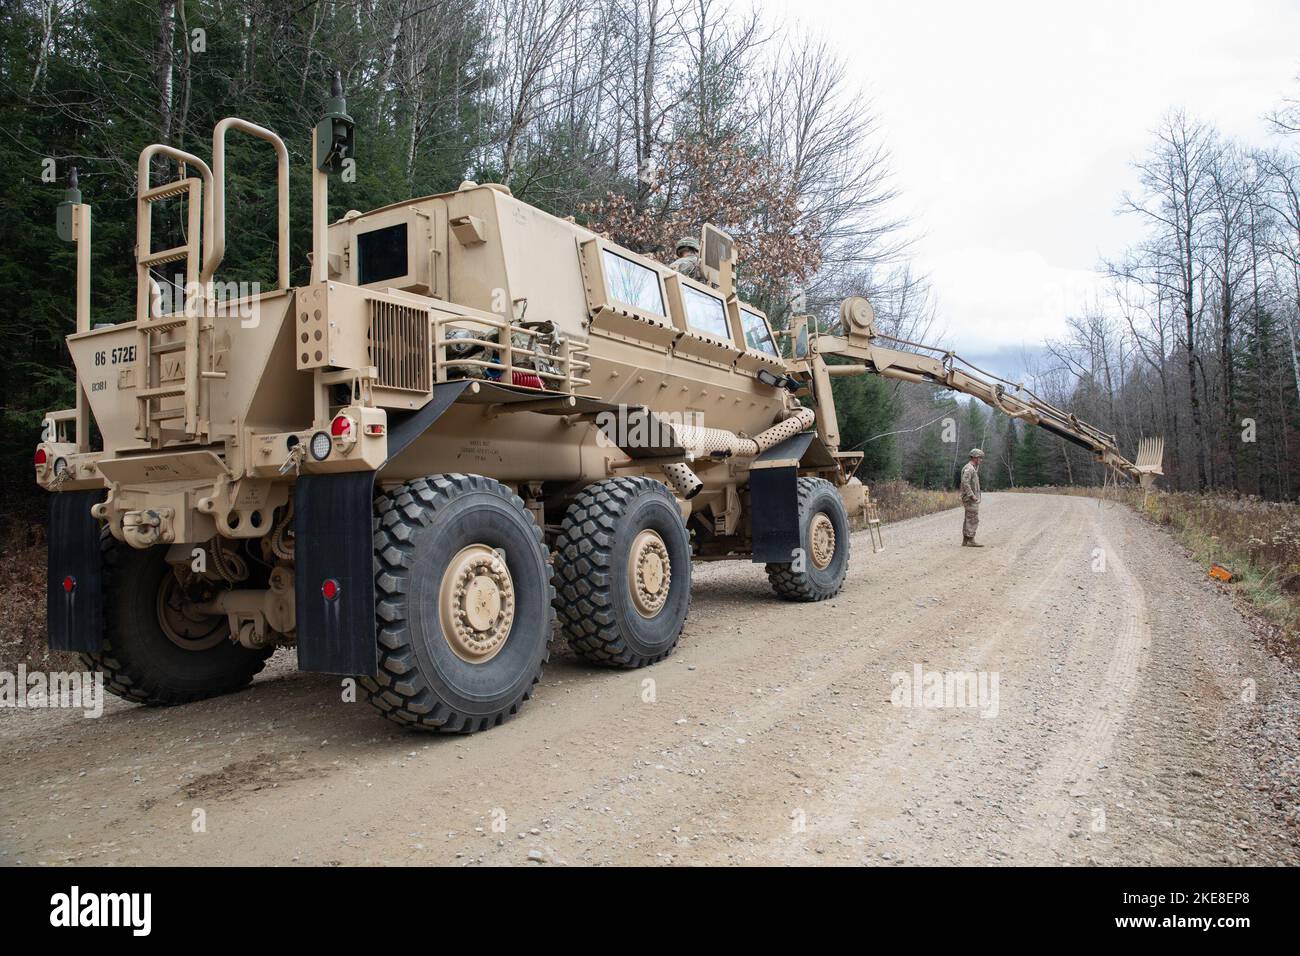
(1136, 720)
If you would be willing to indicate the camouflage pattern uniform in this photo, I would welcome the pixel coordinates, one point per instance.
(970, 499)
(688, 259)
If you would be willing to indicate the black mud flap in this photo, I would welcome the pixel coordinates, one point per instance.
(334, 575)
(334, 551)
(774, 500)
(774, 514)
(74, 574)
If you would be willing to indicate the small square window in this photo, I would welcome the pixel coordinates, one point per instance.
(381, 254)
(705, 313)
(757, 335)
(633, 284)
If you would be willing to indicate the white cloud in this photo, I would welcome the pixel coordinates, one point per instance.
(1013, 127)
(998, 298)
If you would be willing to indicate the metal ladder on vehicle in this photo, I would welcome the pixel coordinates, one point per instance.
(154, 342)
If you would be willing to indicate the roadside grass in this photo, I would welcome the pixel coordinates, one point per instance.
(1257, 540)
(899, 500)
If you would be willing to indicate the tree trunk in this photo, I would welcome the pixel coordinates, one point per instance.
(646, 142)
(42, 57)
(186, 77)
(164, 62)
(1232, 436)
(1198, 432)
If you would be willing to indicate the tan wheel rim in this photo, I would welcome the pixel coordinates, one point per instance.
(476, 604)
(823, 541)
(649, 573)
(182, 624)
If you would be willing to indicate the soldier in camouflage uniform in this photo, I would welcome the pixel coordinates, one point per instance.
(688, 258)
(970, 498)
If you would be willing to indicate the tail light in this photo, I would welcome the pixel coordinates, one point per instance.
(41, 457)
(341, 427)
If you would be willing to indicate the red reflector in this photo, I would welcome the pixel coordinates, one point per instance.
(69, 584)
(527, 379)
(330, 589)
(375, 428)
(41, 457)
(340, 426)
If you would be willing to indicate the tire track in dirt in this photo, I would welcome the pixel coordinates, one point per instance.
(1028, 567)
(1116, 630)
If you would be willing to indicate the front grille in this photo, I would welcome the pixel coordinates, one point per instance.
(398, 342)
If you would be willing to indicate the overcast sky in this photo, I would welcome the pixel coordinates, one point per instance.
(1013, 127)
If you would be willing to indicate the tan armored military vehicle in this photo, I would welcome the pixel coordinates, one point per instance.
(475, 421)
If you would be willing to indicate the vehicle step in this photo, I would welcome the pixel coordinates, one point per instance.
(163, 324)
(161, 391)
(168, 190)
(174, 254)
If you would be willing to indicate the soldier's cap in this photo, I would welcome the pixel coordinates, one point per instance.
(977, 452)
(688, 242)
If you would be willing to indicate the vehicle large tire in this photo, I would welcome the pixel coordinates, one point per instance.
(155, 650)
(623, 572)
(824, 540)
(463, 604)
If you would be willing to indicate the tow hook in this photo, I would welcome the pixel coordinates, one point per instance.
(144, 529)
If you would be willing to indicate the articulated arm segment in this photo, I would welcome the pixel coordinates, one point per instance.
(1015, 401)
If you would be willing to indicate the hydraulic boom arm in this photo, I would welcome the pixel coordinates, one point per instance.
(861, 343)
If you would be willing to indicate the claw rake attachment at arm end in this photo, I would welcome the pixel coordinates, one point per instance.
(1150, 460)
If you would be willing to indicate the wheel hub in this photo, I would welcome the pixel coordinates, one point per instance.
(650, 573)
(183, 625)
(823, 541)
(476, 604)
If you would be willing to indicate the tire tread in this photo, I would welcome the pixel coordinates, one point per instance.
(131, 680)
(399, 691)
(584, 556)
(792, 585)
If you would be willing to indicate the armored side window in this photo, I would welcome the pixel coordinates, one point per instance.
(381, 254)
(705, 313)
(633, 284)
(757, 335)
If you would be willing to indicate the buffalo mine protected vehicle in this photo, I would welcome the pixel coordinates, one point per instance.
(476, 421)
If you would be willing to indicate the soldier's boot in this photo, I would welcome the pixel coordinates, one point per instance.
(972, 543)
(965, 541)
